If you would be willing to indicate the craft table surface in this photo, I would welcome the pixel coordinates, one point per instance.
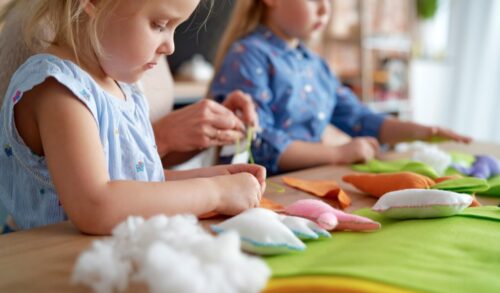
(42, 259)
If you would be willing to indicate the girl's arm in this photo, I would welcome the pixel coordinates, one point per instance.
(257, 171)
(93, 202)
(301, 154)
(394, 131)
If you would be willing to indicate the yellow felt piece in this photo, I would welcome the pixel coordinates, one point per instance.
(324, 284)
(379, 184)
(327, 189)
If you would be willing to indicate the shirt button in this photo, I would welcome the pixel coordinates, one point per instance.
(321, 116)
(357, 128)
(308, 88)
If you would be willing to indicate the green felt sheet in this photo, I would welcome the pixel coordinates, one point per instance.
(494, 189)
(454, 254)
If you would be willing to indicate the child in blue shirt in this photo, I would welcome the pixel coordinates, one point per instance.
(296, 94)
(75, 137)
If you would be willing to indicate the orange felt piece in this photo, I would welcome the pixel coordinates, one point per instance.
(379, 184)
(474, 202)
(445, 178)
(328, 189)
(265, 203)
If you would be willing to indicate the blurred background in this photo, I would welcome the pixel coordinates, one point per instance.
(432, 61)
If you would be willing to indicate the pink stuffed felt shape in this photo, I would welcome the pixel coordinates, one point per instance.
(330, 218)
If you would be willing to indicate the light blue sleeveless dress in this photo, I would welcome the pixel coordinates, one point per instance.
(126, 134)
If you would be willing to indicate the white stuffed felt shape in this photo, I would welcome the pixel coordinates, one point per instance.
(261, 232)
(421, 203)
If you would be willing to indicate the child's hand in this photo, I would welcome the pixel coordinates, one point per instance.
(438, 133)
(257, 171)
(238, 192)
(360, 149)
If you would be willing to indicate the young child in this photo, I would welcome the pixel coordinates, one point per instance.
(295, 93)
(75, 135)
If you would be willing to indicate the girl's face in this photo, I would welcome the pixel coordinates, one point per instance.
(138, 33)
(298, 18)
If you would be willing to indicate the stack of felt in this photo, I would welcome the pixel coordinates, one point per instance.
(454, 254)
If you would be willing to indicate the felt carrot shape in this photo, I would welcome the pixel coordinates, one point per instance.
(328, 189)
(264, 203)
(379, 184)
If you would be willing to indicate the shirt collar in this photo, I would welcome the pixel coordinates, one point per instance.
(280, 44)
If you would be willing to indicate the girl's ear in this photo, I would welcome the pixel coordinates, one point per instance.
(88, 6)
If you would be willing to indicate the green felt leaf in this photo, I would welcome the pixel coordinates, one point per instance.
(420, 168)
(463, 185)
(377, 166)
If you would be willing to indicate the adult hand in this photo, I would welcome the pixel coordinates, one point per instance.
(242, 104)
(198, 126)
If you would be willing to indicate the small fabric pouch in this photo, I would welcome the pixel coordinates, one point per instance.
(261, 232)
(421, 203)
(330, 218)
(303, 228)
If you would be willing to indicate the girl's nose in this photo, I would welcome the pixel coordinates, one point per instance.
(167, 47)
(324, 8)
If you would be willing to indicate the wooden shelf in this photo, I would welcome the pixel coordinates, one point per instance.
(369, 44)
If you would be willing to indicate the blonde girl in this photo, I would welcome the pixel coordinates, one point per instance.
(75, 135)
(262, 53)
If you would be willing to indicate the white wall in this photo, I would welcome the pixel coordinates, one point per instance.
(429, 80)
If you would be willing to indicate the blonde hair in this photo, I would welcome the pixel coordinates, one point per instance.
(246, 16)
(66, 20)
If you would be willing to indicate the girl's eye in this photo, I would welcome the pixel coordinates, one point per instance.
(159, 26)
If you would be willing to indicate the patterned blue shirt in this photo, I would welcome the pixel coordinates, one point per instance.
(126, 135)
(295, 93)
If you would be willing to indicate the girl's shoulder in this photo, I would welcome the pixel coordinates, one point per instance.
(37, 68)
(257, 41)
(47, 64)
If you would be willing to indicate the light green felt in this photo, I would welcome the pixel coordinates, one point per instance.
(377, 166)
(454, 254)
(452, 171)
(462, 159)
(421, 168)
(463, 185)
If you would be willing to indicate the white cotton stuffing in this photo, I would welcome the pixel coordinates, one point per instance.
(102, 268)
(434, 157)
(429, 154)
(170, 255)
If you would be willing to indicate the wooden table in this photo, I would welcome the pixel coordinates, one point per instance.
(42, 259)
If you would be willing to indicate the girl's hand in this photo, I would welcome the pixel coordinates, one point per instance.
(360, 149)
(438, 133)
(238, 192)
(257, 171)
